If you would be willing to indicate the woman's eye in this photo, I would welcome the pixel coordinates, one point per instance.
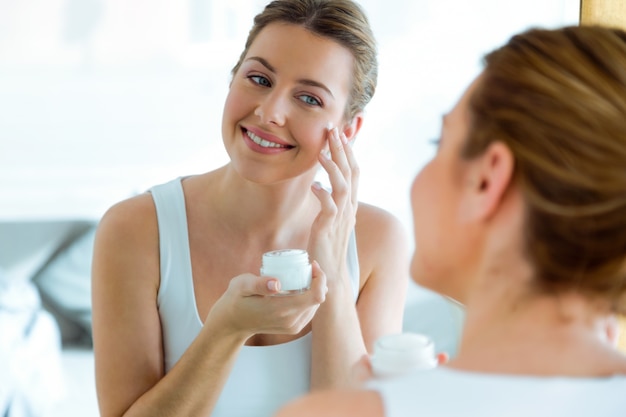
(310, 100)
(260, 80)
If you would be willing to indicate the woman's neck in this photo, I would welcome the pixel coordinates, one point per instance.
(273, 211)
(539, 335)
(513, 327)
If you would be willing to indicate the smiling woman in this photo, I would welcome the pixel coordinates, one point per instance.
(174, 268)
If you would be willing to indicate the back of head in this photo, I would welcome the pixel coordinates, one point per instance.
(557, 98)
(340, 20)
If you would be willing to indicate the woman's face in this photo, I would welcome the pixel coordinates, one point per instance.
(442, 238)
(290, 86)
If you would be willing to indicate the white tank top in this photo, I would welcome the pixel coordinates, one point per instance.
(444, 392)
(263, 377)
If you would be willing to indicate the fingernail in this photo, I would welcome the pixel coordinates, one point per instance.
(317, 185)
(273, 285)
(344, 139)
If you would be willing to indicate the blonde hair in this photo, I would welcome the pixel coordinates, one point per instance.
(340, 20)
(557, 99)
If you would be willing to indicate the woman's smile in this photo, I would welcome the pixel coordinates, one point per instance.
(263, 142)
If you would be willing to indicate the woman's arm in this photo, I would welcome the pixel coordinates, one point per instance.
(384, 254)
(343, 333)
(127, 331)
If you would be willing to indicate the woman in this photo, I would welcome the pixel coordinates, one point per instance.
(521, 216)
(183, 323)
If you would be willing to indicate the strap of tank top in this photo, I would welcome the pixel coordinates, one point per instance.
(169, 201)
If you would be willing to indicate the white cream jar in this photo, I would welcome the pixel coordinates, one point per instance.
(397, 354)
(291, 267)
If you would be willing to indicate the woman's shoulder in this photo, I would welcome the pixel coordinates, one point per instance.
(378, 231)
(375, 220)
(131, 214)
(126, 249)
(336, 403)
(129, 226)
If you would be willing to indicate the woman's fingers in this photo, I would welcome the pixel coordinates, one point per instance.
(355, 173)
(253, 310)
(344, 176)
(337, 143)
(343, 155)
(249, 285)
(338, 181)
(329, 210)
(337, 215)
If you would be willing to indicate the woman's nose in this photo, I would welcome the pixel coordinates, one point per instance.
(272, 109)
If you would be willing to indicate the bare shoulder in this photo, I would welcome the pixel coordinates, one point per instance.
(137, 212)
(129, 222)
(337, 403)
(127, 235)
(375, 223)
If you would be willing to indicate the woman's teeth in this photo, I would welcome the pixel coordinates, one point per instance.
(262, 142)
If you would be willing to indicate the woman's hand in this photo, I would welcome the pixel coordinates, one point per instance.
(330, 232)
(249, 306)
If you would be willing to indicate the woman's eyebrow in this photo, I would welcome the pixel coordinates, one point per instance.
(304, 81)
(314, 83)
(263, 62)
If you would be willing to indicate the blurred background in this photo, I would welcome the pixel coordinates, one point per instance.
(101, 99)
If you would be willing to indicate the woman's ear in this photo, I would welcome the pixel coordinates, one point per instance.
(490, 176)
(351, 129)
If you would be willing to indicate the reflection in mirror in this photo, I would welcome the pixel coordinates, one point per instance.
(101, 99)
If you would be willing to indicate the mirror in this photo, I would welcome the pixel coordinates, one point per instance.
(101, 99)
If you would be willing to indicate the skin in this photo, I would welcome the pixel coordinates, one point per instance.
(468, 228)
(290, 86)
